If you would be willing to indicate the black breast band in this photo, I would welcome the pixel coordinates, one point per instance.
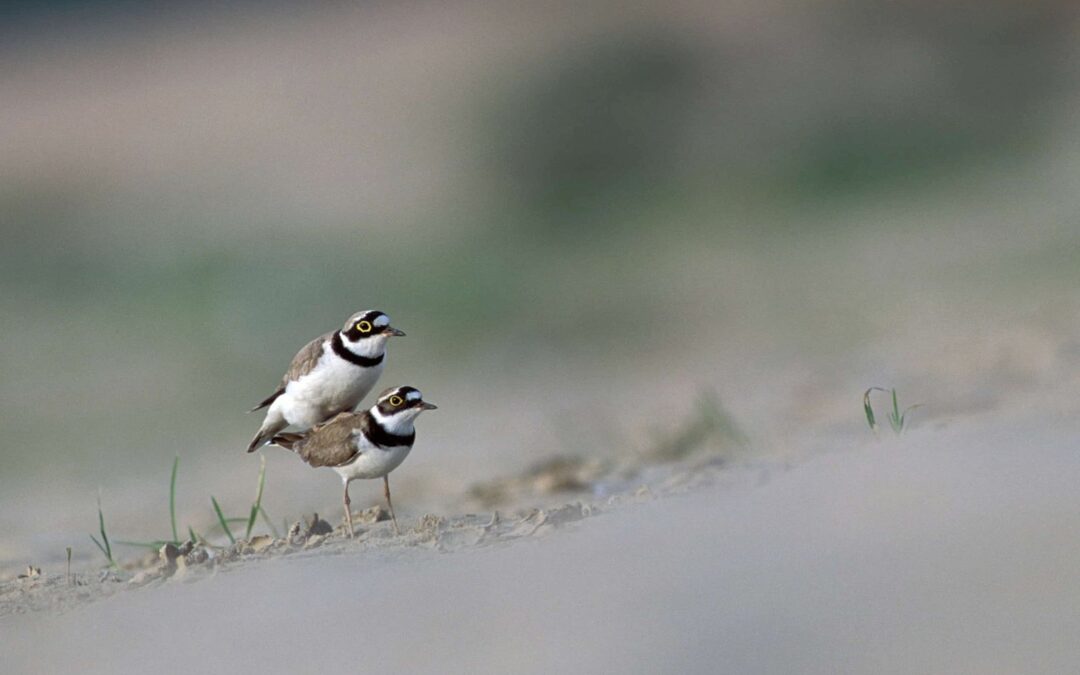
(363, 361)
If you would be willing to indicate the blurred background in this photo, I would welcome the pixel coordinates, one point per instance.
(584, 216)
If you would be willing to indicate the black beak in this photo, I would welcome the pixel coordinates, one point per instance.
(428, 406)
(394, 332)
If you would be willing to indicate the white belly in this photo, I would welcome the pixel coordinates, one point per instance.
(374, 463)
(332, 386)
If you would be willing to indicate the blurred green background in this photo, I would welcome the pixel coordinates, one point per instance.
(582, 215)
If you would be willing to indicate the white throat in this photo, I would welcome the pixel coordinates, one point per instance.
(400, 424)
(371, 347)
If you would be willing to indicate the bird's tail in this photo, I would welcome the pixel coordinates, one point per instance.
(265, 403)
(287, 441)
(266, 433)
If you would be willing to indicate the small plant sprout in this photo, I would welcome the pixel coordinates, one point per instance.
(256, 506)
(897, 418)
(172, 498)
(104, 546)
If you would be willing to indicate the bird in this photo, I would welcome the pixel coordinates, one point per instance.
(366, 444)
(331, 374)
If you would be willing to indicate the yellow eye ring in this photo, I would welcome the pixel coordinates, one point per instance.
(396, 401)
(363, 326)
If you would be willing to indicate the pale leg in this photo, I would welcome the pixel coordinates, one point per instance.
(348, 511)
(386, 491)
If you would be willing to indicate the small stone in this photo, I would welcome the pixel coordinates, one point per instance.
(168, 553)
(318, 526)
(258, 544)
(197, 557)
(31, 572)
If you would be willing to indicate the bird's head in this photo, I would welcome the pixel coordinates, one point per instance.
(397, 407)
(366, 332)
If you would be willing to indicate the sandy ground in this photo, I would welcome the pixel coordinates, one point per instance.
(948, 551)
(808, 547)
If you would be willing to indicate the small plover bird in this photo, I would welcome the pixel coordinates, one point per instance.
(366, 444)
(331, 374)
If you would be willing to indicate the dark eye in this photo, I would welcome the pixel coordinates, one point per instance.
(363, 326)
(396, 401)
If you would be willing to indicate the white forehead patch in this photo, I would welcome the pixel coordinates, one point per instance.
(413, 396)
(382, 320)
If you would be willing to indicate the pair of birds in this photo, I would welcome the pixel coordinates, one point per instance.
(325, 381)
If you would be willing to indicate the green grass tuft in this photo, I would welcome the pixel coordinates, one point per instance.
(897, 419)
(105, 545)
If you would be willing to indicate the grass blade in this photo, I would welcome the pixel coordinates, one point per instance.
(100, 547)
(221, 519)
(869, 410)
(172, 499)
(895, 418)
(903, 417)
(258, 498)
(871, 419)
(107, 547)
(269, 524)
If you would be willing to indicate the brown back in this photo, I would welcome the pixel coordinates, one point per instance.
(332, 443)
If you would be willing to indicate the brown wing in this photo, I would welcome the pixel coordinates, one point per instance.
(301, 365)
(305, 359)
(331, 443)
